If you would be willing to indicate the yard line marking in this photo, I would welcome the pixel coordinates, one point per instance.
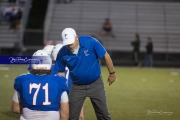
(174, 73)
(6, 76)
(171, 81)
(144, 80)
(5, 68)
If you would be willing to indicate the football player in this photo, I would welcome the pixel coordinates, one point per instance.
(41, 95)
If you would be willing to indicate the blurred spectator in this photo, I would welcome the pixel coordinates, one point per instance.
(18, 18)
(149, 53)
(136, 49)
(13, 17)
(107, 29)
(6, 13)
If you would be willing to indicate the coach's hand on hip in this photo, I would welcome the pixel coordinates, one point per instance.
(111, 78)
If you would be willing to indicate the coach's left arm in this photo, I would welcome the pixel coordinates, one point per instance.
(109, 64)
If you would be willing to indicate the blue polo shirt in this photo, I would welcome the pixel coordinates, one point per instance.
(84, 67)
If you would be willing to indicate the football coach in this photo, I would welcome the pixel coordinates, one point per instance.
(81, 54)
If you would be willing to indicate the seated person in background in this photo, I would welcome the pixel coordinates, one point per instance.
(107, 28)
(6, 12)
(18, 18)
(13, 17)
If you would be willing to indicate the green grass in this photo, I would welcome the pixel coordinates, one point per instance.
(137, 94)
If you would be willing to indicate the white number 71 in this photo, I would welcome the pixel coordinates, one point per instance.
(37, 87)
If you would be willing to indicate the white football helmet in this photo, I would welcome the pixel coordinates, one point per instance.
(55, 51)
(44, 61)
(49, 49)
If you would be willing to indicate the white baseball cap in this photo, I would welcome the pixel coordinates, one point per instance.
(68, 36)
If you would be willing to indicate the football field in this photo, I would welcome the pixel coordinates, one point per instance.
(137, 94)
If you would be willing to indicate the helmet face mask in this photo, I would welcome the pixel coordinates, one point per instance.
(55, 51)
(44, 60)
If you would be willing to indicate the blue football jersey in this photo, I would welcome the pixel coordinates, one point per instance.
(54, 71)
(41, 93)
(69, 80)
(29, 67)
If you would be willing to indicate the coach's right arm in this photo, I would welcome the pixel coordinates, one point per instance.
(109, 64)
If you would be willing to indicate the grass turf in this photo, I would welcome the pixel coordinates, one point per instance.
(137, 94)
